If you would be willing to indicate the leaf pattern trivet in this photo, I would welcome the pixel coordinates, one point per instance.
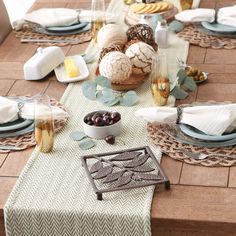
(126, 169)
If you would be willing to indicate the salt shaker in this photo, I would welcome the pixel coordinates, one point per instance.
(162, 34)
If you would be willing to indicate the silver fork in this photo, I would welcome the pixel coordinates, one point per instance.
(202, 156)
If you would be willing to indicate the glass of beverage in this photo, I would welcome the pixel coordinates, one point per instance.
(186, 4)
(160, 85)
(129, 2)
(44, 125)
(98, 18)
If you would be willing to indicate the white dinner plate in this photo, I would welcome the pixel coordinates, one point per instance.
(83, 70)
(195, 133)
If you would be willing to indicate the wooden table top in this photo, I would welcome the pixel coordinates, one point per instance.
(202, 200)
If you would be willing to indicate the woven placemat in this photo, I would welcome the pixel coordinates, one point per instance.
(196, 36)
(28, 32)
(158, 136)
(27, 140)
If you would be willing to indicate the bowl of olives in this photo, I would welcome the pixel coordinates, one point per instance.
(100, 124)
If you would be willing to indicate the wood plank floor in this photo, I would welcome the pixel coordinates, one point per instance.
(202, 200)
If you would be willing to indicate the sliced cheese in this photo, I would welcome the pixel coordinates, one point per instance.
(71, 68)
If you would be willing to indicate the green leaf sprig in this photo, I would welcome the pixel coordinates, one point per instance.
(100, 90)
(184, 84)
(85, 142)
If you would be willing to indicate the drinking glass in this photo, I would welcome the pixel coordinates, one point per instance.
(129, 2)
(98, 17)
(186, 4)
(160, 85)
(44, 125)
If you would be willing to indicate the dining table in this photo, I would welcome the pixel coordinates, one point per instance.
(201, 200)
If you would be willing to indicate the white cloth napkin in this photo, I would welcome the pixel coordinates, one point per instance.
(212, 120)
(227, 16)
(9, 111)
(48, 17)
(196, 15)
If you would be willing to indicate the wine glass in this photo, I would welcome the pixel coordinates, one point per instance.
(98, 18)
(44, 125)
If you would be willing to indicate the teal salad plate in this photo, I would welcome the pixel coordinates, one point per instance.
(217, 27)
(195, 133)
(17, 124)
(17, 133)
(67, 28)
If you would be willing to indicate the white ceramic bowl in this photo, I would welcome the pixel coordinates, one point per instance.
(100, 132)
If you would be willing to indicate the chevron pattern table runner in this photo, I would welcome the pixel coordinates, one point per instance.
(53, 195)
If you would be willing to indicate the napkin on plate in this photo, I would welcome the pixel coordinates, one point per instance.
(227, 16)
(196, 15)
(10, 112)
(48, 17)
(212, 120)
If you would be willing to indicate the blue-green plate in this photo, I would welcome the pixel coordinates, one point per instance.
(195, 133)
(177, 134)
(17, 124)
(217, 27)
(25, 130)
(67, 28)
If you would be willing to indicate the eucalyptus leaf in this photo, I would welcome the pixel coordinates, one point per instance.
(103, 81)
(178, 93)
(181, 75)
(176, 26)
(89, 89)
(189, 84)
(129, 99)
(108, 94)
(78, 135)
(99, 96)
(112, 102)
(105, 95)
(86, 143)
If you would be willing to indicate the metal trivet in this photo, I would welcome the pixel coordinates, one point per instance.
(125, 169)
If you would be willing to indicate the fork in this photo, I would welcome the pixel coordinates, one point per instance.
(202, 156)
